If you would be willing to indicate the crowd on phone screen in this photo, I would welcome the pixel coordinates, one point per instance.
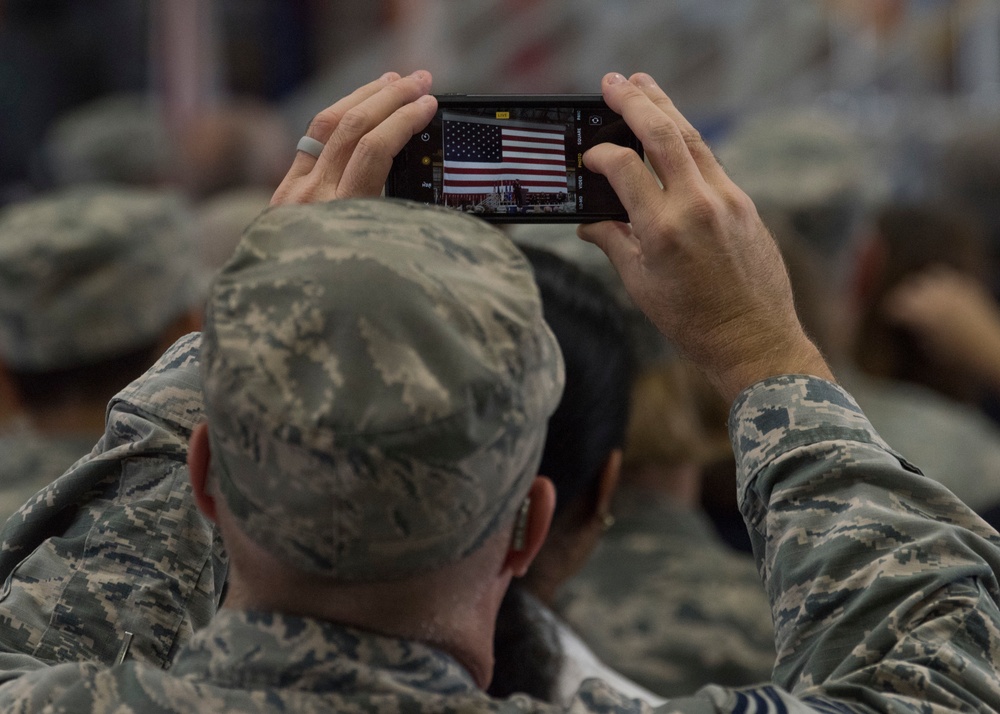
(647, 579)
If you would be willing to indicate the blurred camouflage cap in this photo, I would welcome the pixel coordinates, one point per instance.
(378, 379)
(802, 158)
(119, 138)
(90, 273)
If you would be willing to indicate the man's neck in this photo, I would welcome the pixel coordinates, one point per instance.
(449, 609)
(680, 484)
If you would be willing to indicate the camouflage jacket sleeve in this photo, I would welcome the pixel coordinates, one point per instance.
(882, 584)
(114, 554)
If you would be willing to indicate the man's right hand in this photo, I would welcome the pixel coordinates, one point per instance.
(696, 259)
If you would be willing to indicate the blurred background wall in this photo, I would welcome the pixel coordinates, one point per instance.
(904, 72)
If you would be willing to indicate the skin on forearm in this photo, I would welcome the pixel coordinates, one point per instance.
(800, 357)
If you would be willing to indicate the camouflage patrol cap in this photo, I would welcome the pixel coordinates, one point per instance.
(802, 158)
(89, 273)
(378, 379)
(119, 138)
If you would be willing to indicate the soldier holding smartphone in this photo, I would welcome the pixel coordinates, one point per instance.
(883, 585)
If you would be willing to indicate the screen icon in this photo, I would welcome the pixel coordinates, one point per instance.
(596, 119)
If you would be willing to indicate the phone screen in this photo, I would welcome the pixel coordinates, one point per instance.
(513, 159)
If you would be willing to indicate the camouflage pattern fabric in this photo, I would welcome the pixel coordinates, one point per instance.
(89, 273)
(665, 602)
(578, 662)
(30, 461)
(955, 444)
(878, 577)
(882, 585)
(116, 544)
(378, 379)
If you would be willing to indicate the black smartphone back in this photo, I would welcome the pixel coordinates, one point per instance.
(513, 158)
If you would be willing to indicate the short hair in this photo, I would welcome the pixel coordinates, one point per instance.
(588, 423)
(591, 418)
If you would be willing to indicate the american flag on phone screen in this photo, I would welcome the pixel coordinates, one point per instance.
(482, 152)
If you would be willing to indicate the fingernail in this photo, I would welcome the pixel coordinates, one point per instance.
(419, 74)
(644, 80)
(389, 76)
(615, 78)
(426, 99)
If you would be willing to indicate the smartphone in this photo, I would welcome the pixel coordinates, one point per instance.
(513, 158)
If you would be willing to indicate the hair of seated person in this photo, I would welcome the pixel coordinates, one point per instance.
(92, 381)
(590, 421)
(586, 427)
(529, 659)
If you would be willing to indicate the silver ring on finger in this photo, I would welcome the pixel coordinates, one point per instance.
(310, 146)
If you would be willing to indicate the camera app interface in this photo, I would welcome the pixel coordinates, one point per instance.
(515, 161)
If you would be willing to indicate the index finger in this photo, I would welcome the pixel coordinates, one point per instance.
(709, 166)
(663, 140)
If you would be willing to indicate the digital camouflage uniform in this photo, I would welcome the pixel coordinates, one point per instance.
(665, 602)
(29, 461)
(882, 584)
(955, 444)
(86, 274)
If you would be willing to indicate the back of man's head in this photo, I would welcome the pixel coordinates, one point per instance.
(377, 380)
(90, 274)
(591, 418)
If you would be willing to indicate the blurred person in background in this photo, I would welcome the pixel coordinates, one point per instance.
(924, 406)
(814, 179)
(814, 168)
(299, 621)
(903, 241)
(116, 139)
(967, 176)
(535, 652)
(235, 143)
(95, 283)
(819, 186)
(953, 317)
(124, 139)
(913, 397)
(957, 320)
(663, 599)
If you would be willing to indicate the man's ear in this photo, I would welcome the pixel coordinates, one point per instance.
(199, 458)
(531, 526)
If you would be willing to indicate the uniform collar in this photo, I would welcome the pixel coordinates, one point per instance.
(261, 649)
